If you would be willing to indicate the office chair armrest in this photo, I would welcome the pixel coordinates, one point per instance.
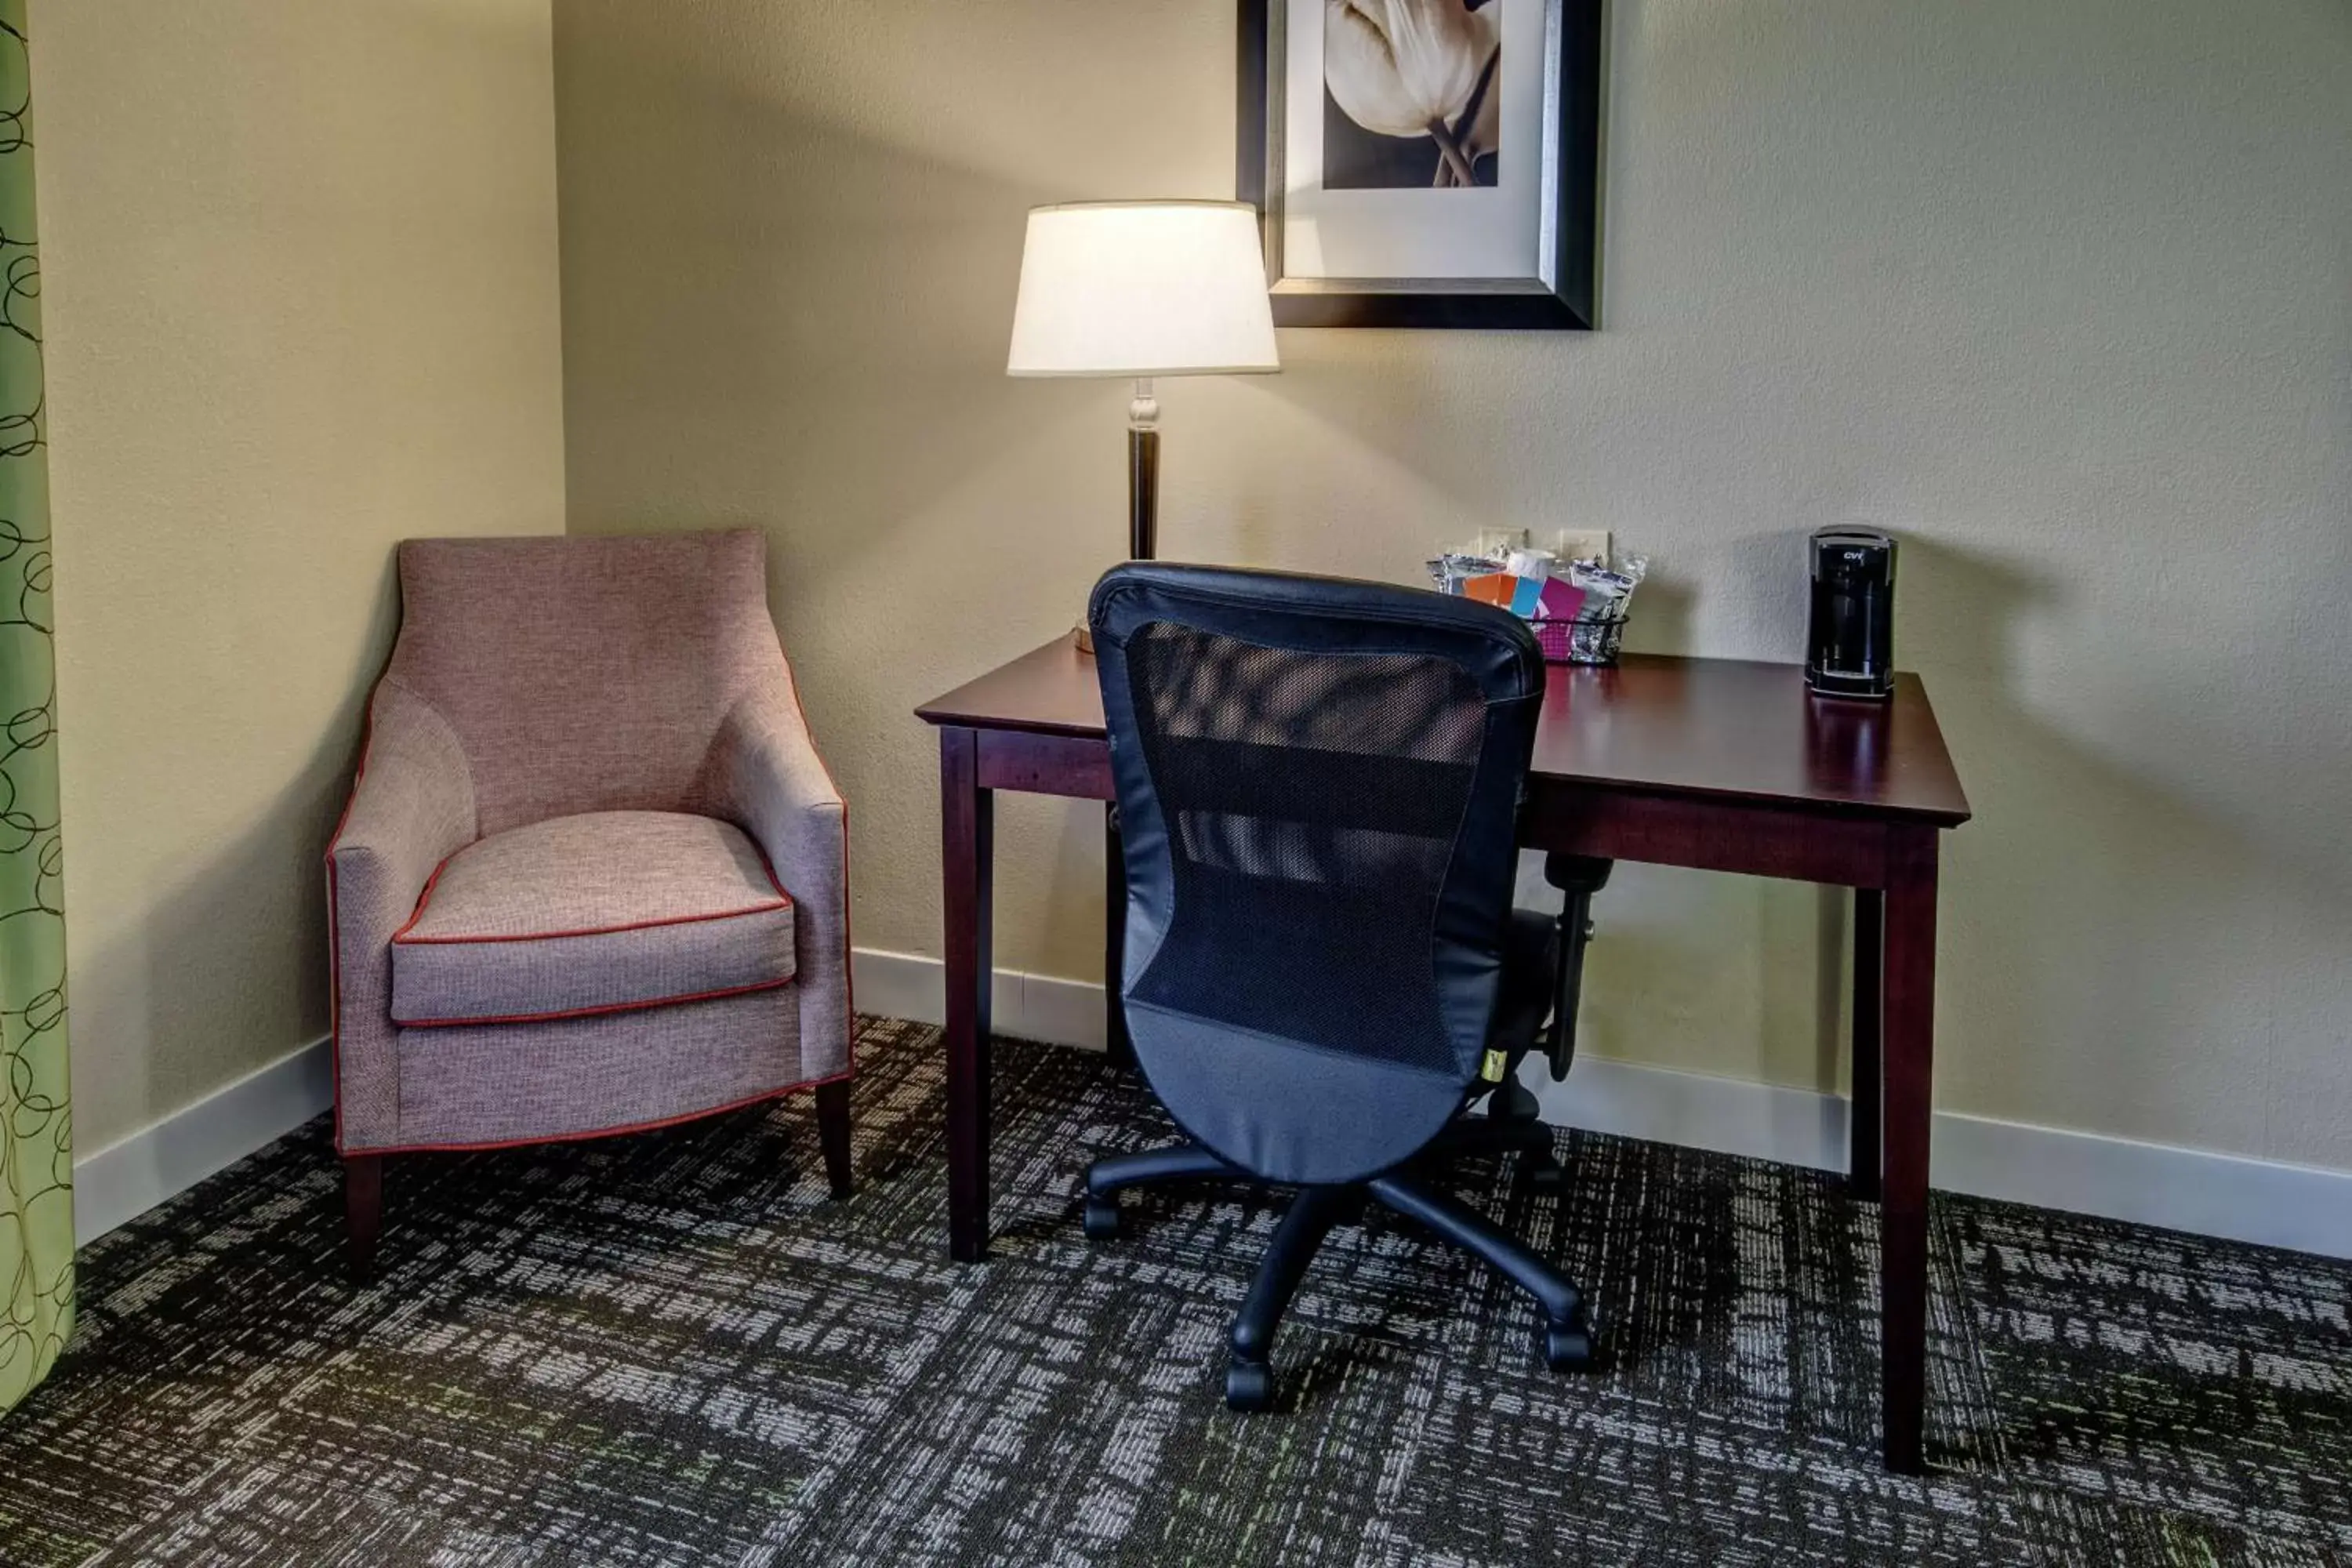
(765, 775)
(412, 807)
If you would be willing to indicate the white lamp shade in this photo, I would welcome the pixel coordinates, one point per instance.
(1142, 289)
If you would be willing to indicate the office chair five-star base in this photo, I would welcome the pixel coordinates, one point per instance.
(1565, 1340)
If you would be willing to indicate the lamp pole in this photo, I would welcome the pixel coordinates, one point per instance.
(1142, 472)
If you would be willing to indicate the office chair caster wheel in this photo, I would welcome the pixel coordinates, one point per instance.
(1102, 1218)
(1567, 1347)
(1249, 1385)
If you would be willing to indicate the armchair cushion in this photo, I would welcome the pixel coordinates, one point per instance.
(600, 913)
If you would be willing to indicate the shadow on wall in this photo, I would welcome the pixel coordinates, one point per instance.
(2079, 955)
(2073, 972)
(834, 375)
(234, 949)
(752, 397)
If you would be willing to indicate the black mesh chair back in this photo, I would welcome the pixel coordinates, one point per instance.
(1317, 784)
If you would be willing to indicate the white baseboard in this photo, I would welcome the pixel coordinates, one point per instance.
(126, 1178)
(1024, 1006)
(2299, 1206)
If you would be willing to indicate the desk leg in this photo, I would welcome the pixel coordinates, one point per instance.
(1910, 1025)
(966, 834)
(1116, 1043)
(1862, 1117)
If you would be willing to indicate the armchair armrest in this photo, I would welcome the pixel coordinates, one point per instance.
(411, 808)
(765, 775)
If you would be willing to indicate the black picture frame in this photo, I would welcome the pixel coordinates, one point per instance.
(1561, 296)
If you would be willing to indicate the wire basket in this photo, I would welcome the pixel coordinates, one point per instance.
(1580, 641)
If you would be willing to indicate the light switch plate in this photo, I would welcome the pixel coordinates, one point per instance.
(1582, 544)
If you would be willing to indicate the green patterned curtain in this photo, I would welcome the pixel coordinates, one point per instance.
(37, 1240)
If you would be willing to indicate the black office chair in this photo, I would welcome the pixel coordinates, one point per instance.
(1319, 783)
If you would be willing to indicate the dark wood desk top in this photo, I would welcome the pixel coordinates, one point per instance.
(1714, 727)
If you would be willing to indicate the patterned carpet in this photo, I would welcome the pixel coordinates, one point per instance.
(672, 1349)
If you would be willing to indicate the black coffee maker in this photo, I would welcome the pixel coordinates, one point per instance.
(1851, 649)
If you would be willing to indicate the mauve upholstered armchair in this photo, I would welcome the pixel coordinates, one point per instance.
(593, 876)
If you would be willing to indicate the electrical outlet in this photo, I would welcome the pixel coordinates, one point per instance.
(1582, 544)
(1493, 543)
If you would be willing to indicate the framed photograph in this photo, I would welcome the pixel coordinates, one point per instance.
(1423, 163)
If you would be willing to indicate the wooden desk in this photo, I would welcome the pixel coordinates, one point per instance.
(1714, 764)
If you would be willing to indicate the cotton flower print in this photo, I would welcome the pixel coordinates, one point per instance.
(1412, 93)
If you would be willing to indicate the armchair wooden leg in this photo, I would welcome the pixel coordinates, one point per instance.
(363, 1211)
(833, 1132)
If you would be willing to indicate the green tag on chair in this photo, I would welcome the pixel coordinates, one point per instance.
(1493, 1069)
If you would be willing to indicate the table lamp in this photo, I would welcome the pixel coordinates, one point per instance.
(1142, 289)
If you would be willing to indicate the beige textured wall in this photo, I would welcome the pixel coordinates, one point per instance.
(2062, 293)
(300, 286)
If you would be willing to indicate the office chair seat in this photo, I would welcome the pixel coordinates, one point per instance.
(1317, 784)
(1316, 1115)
